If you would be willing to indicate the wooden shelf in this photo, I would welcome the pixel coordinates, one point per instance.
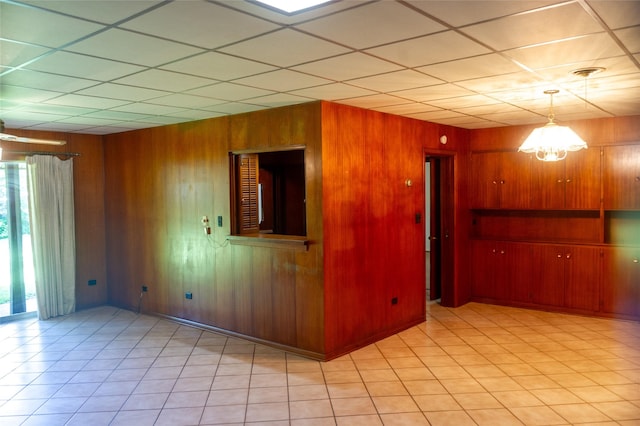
(270, 240)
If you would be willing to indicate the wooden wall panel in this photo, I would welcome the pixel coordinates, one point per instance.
(373, 247)
(88, 181)
(168, 178)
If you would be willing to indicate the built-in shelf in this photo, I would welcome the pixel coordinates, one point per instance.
(270, 240)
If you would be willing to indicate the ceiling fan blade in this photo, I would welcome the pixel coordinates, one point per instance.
(12, 138)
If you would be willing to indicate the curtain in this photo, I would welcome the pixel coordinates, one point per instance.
(52, 234)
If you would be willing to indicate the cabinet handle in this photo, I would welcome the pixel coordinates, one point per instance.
(559, 255)
(502, 182)
(568, 255)
(635, 260)
(501, 251)
(568, 180)
(494, 182)
(559, 181)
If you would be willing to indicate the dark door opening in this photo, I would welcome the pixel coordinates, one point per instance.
(439, 236)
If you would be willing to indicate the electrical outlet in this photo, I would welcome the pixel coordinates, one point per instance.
(92, 282)
(144, 289)
(188, 295)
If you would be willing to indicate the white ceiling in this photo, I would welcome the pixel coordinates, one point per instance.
(107, 66)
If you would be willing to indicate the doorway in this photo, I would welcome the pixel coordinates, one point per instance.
(17, 283)
(439, 244)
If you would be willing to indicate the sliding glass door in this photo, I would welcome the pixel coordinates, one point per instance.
(17, 284)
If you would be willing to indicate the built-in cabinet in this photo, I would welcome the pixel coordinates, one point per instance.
(562, 235)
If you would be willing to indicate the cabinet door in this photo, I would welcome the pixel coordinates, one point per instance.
(547, 287)
(515, 180)
(485, 180)
(582, 179)
(520, 271)
(622, 177)
(621, 281)
(583, 267)
(548, 184)
(484, 262)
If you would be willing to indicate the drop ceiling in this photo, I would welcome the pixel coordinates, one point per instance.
(102, 67)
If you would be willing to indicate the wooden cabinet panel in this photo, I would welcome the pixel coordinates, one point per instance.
(485, 180)
(573, 183)
(622, 177)
(567, 276)
(500, 270)
(583, 266)
(621, 283)
(549, 275)
(501, 180)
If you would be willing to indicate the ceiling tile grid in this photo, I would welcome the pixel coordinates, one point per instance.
(107, 66)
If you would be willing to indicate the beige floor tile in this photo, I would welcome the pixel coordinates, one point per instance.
(260, 395)
(264, 412)
(390, 388)
(404, 419)
(443, 402)
(595, 394)
(620, 410)
(353, 406)
(308, 392)
(493, 417)
(538, 416)
(477, 401)
(449, 418)
(310, 409)
(580, 413)
(455, 386)
(394, 404)
(362, 420)
(224, 414)
(521, 398)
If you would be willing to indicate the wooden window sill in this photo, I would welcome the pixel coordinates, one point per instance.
(270, 240)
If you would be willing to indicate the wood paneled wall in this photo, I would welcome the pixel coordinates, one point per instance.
(161, 181)
(374, 251)
(88, 169)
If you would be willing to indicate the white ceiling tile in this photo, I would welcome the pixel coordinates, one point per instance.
(75, 65)
(437, 115)
(613, 66)
(458, 13)
(369, 25)
(440, 91)
(502, 82)
(147, 109)
(86, 101)
(184, 101)
(282, 81)
(13, 54)
(56, 109)
(429, 49)
(332, 92)
(279, 99)
(39, 80)
(218, 66)
(469, 68)
(591, 47)
(195, 114)
(285, 48)
(373, 101)
(236, 108)
(463, 102)
(630, 37)
(229, 92)
(114, 115)
(617, 14)
(528, 29)
(61, 126)
(200, 23)
(108, 12)
(32, 25)
(164, 80)
(395, 81)
(122, 92)
(26, 94)
(522, 116)
(407, 109)
(347, 67)
(87, 121)
(140, 49)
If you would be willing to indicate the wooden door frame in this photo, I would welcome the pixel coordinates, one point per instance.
(444, 202)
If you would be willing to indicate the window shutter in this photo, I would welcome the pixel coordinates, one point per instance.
(248, 193)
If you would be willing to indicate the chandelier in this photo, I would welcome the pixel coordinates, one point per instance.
(552, 142)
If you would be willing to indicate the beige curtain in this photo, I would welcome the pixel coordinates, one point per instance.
(52, 234)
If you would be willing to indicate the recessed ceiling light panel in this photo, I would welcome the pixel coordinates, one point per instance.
(292, 6)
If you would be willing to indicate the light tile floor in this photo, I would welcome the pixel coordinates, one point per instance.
(478, 364)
